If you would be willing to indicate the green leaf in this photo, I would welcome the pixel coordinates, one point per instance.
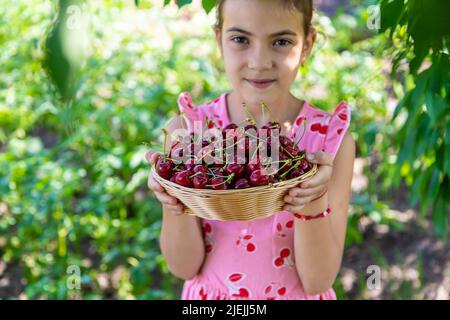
(435, 106)
(433, 189)
(447, 150)
(416, 190)
(208, 5)
(440, 214)
(166, 2)
(136, 2)
(390, 13)
(183, 2)
(406, 101)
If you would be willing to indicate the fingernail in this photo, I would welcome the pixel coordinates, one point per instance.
(310, 156)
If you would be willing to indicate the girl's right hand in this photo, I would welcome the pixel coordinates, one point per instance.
(167, 200)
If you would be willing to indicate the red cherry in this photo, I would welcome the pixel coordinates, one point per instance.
(183, 179)
(252, 166)
(242, 184)
(292, 151)
(218, 183)
(259, 178)
(274, 126)
(250, 127)
(235, 168)
(294, 173)
(200, 168)
(190, 164)
(200, 180)
(229, 130)
(273, 179)
(285, 141)
(230, 126)
(164, 167)
(304, 165)
(218, 171)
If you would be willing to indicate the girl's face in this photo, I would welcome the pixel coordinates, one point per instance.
(261, 40)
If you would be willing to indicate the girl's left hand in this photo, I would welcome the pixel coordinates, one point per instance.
(312, 189)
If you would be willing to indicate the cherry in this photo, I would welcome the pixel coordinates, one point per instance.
(164, 167)
(273, 179)
(292, 151)
(252, 166)
(243, 168)
(230, 130)
(218, 183)
(218, 171)
(294, 173)
(180, 167)
(200, 168)
(259, 178)
(274, 126)
(200, 180)
(177, 151)
(190, 164)
(175, 145)
(285, 141)
(183, 178)
(304, 165)
(250, 127)
(235, 168)
(242, 184)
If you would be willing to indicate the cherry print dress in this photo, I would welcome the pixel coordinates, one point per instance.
(255, 259)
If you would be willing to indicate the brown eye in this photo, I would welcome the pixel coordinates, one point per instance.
(282, 42)
(239, 40)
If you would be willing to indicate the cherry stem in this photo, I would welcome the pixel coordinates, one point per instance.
(165, 141)
(268, 109)
(229, 178)
(303, 133)
(244, 105)
(263, 114)
(291, 168)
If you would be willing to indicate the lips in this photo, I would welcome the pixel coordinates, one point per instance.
(260, 83)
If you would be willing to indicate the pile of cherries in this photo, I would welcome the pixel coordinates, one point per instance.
(243, 159)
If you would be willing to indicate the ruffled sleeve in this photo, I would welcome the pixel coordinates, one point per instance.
(190, 111)
(337, 127)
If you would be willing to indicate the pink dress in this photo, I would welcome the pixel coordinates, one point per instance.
(255, 259)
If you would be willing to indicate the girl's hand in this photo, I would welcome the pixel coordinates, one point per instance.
(170, 202)
(312, 189)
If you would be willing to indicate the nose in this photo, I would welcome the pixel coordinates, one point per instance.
(260, 58)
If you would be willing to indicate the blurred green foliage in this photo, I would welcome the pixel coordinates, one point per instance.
(72, 170)
(420, 34)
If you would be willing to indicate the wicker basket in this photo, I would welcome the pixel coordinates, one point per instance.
(233, 205)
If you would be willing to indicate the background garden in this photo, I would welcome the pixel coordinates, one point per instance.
(86, 86)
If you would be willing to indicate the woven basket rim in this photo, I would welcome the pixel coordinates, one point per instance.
(279, 185)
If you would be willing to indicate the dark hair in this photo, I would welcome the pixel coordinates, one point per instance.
(304, 6)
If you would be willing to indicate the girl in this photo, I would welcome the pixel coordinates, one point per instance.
(296, 253)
